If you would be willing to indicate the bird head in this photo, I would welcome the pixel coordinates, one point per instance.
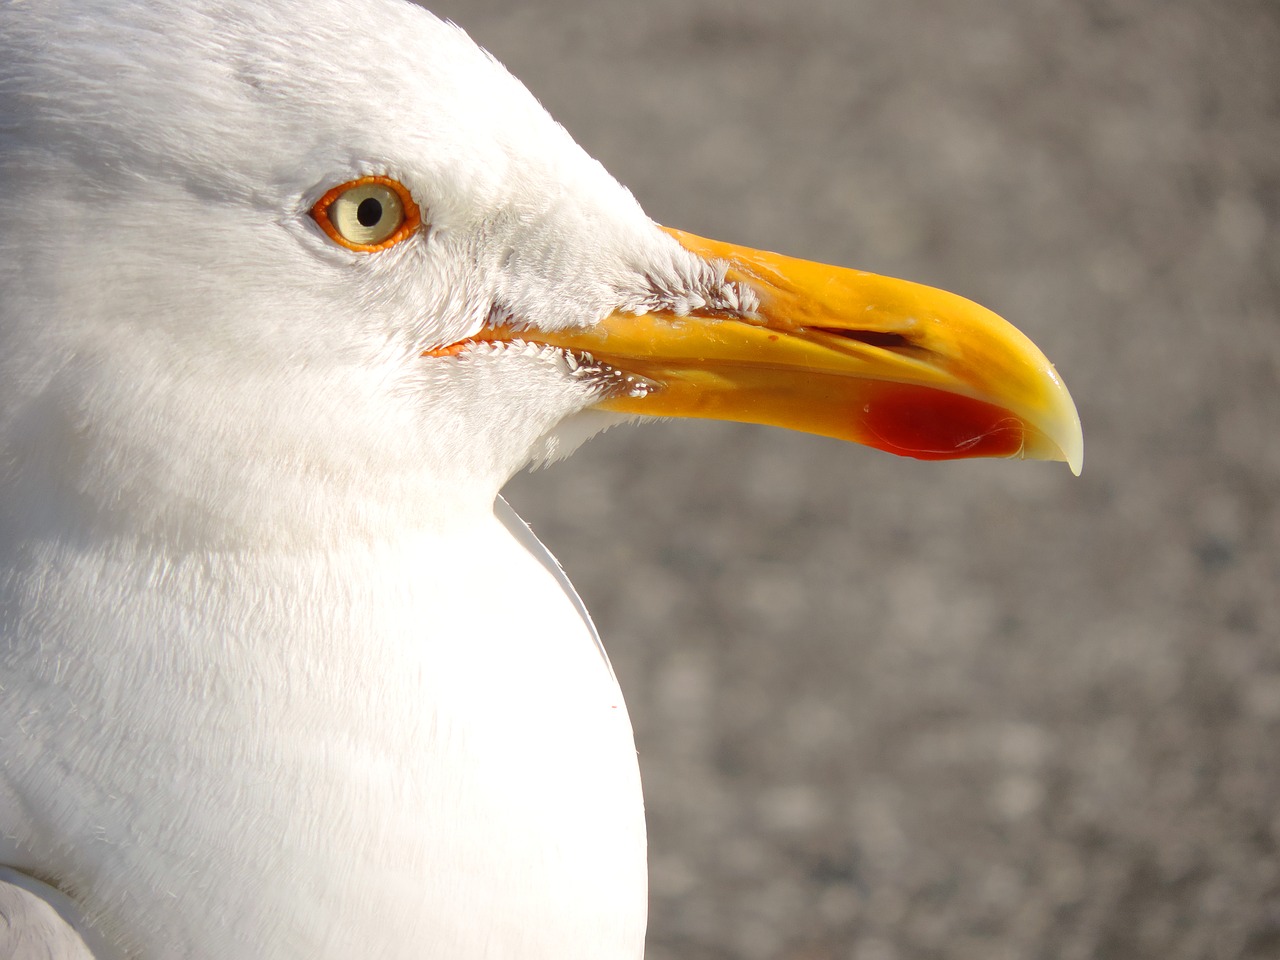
(284, 269)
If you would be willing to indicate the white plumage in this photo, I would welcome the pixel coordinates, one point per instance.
(277, 680)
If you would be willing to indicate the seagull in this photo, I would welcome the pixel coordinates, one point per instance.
(290, 290)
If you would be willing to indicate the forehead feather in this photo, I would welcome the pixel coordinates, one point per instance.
(270, 96)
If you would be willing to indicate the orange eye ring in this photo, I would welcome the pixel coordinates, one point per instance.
(346, 223)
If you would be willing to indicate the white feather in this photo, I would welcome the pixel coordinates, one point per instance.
(276, 681)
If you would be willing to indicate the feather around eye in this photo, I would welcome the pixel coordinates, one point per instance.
(369, 214)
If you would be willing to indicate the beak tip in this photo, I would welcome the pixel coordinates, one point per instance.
(1074, 454)
(1065, 431)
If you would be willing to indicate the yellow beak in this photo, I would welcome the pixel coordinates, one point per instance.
(887, 363)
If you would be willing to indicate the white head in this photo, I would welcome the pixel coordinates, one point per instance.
(185, 354)
(184, 350)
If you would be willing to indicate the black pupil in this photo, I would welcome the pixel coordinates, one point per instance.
(369, 212)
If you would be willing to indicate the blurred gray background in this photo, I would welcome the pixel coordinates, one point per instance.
(888, 709)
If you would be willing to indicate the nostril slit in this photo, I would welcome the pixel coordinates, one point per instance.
(872, 338)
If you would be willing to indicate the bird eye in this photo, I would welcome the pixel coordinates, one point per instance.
(372, 213)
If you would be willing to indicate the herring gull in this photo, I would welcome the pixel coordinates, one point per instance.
(290, 290)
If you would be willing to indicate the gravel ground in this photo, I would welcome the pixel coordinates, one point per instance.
(888, 709)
